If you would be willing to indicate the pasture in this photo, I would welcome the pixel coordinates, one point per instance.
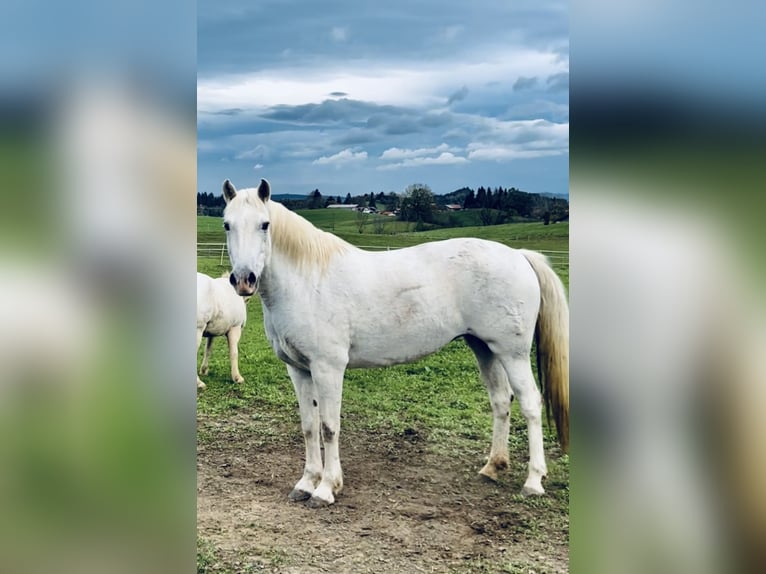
(413, 439)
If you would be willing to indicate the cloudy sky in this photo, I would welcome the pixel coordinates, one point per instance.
(356, 97)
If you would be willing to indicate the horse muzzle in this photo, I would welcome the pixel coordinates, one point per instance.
(244, 284)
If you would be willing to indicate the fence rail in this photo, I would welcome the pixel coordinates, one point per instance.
(213, 250)
(218, 250)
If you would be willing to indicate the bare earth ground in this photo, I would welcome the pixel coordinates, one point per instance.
(406, 506)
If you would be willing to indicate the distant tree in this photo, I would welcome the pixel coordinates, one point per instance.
(481, 197)
(361, 220)
(486, 216)
(560, 210)
(497, 198)
(315, 200)
(372, 203)
(379, 224)
(520, 202)
(417, 203)
(470, 200)
(392, 200)
(347, 201)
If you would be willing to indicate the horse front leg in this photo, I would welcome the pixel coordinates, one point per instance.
(233, 338)
(307, 403)
(329, 387)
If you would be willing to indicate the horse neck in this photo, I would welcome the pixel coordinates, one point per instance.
(297, 243)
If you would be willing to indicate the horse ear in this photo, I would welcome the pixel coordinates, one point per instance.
(229, 192)
(264, 191)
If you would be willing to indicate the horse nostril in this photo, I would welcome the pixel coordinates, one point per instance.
(251, 278)
(232, 280)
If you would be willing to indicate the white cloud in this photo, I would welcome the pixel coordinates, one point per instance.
(258, 166)
(341, 158)
(524, 139)
(535, 108)
(394, 153)
(495, 153)
(412, 83)
(445, 158)
(258, 152)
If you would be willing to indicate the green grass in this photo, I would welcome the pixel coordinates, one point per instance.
(396, 234)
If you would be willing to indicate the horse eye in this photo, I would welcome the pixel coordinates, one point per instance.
(265, 225)
(226, 226)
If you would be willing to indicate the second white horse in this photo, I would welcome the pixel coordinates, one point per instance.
(220, 311)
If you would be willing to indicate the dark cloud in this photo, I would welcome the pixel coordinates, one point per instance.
(329, 111)
(524, 84)
(402, 126)
(458, 95)
(227, 112)
(558, 82)
(356, 136)
(338, 94)
(245, 36)
(436, 119)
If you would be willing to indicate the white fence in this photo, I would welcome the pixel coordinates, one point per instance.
(218, 251)
(213, 250)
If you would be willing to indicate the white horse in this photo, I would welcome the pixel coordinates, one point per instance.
(312, 285)
(220, 311)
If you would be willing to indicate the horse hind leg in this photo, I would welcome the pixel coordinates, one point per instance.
(495, 379)
(522, 381)
(205, 367)
(200, 384)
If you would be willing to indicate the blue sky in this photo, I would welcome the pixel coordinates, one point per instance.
(353, 97)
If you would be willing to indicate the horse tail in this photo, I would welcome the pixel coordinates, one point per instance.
(552, 339)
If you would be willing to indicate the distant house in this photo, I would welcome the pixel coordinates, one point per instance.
(453, 207)
(351, 206)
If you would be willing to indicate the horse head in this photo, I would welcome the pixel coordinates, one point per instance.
(246, 221)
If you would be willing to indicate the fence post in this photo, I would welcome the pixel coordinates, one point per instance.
(222, 248)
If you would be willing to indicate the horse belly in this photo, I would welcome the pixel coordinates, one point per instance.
(392, 344)
(217, 327)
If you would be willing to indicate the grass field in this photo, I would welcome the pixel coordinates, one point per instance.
(439, 398)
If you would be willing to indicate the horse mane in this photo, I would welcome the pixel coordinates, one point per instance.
(300, 241)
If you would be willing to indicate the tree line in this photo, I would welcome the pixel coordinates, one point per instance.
(417, 203)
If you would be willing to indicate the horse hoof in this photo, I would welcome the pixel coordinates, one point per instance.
(298, 495)
(318, 503)
(204, 371)
(239, 380)
(201, 385)
(531, 491)
(488, 475)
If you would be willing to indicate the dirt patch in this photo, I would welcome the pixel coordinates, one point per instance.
(406, 507)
